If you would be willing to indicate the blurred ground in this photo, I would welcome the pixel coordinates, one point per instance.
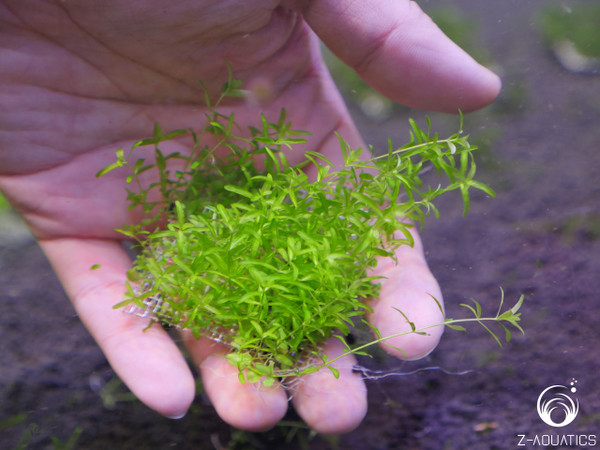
(539, 237)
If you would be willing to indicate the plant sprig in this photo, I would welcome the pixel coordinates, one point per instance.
(510, 316)
(262, 257)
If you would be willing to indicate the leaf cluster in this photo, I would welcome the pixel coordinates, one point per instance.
(247, 249)
(504, 318)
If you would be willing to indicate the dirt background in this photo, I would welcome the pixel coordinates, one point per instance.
(539, 237)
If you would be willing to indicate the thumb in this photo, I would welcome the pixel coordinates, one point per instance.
(398, 50)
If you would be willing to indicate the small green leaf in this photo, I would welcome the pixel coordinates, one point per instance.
(268, 381)
(464, 190)
(309, 370)
(109, 168)
(263, 369)
(439, 305)
(253, 377)
(334, 371)
(398, 349)
(122, 304)
(518, 305)
(373, 328)
(452, 147)
(482, 187)
(157, 135)
(161, 161)
(284, 360)
(240, 191)
(412, 324)
(173, 134)
(180, 212)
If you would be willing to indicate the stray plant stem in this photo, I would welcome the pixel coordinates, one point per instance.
(510, 316)
(266, 260)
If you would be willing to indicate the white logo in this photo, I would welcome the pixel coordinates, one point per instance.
(554, 398)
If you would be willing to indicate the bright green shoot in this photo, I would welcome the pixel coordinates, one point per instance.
(510, 316)
(261, 257)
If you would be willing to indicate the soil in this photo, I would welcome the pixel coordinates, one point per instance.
(540, 237)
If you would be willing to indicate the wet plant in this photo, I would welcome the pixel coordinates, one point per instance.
(246, 249)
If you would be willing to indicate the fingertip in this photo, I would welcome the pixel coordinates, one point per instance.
(154, 369)
(331, 405)
(413, 347)
(175, 398)
(145, 358)
(172, 398)
(483, 88)
(248, 406)
(398, 50)
(409, 287)
(493, 83)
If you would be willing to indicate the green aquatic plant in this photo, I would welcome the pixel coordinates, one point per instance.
(577, 23)
(247, 249)
(573, 34)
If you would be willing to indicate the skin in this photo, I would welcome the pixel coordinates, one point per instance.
(80, 79)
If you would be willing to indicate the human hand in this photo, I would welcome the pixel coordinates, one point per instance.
(80, 80)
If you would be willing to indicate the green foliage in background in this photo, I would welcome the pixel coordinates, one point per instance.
(578, 24)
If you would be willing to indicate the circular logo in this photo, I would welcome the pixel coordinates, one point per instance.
(556, 407)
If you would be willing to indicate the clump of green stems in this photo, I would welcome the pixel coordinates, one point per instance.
(249, 250)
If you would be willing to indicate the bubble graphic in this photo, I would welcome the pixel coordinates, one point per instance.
(573, 383)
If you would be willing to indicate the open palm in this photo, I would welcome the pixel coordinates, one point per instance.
(79, 79)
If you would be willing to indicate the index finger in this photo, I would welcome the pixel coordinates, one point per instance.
(398, 50)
